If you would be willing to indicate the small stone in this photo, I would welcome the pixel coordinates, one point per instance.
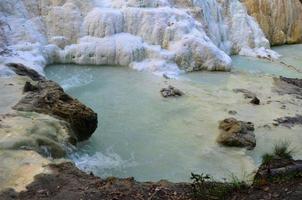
(166, 76)
(232, 112)
(255, 101)
(171, 92)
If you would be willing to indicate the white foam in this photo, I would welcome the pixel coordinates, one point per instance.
(101, 163)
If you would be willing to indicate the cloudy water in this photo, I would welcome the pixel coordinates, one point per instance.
(144, 135)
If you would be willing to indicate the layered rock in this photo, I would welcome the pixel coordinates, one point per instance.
(281, 20)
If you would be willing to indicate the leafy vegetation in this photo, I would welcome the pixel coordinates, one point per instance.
(205, 187)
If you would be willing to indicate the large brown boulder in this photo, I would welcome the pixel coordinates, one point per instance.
(49, 98)
(236, 133)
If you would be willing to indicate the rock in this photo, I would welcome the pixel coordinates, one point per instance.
(236, 133)
(232, 112)
(279, 166)
(22, 70)
(171, 92)
(280, 20)
(255, 101)
(247, 94)
(49, 98)
(293, 81)
(288, 86)
(28, 87)
(166, 76)
(289, 121)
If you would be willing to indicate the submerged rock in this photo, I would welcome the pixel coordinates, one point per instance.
(294, 81)
(171, 92)
(291, 86)
(232, 112)
(247, 94)
(289, 121)
(49, 98)
(236, 133)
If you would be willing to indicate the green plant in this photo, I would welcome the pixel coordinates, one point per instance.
(205, 187)
(282, 150)
(236, 183)
(267, 158)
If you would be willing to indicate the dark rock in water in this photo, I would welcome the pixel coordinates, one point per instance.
(255, 101)
(28, 87)
(49, 98)
(291, 86)
(294, 81)
(166, 76)
(289, 121)
(171, 92)
(237, 133)
(247, 94)
(232, 112)
(22, 70)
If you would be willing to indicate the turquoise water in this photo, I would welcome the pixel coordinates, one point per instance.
(289, 64)
(143, 135)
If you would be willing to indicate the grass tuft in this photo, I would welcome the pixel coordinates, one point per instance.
(205, 187)
(267, 158)
(282, 150)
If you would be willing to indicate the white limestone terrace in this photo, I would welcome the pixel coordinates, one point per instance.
(161, 36)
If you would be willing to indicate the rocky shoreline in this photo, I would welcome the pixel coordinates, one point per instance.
(68, 182)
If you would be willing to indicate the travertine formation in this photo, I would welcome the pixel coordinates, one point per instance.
(281, 20)
(162, 36)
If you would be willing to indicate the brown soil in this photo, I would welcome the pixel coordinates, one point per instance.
(69, 183)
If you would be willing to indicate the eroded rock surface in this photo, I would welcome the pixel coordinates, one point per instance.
(49, 98)
(236, 133)
(281, 20)
(37, 132)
